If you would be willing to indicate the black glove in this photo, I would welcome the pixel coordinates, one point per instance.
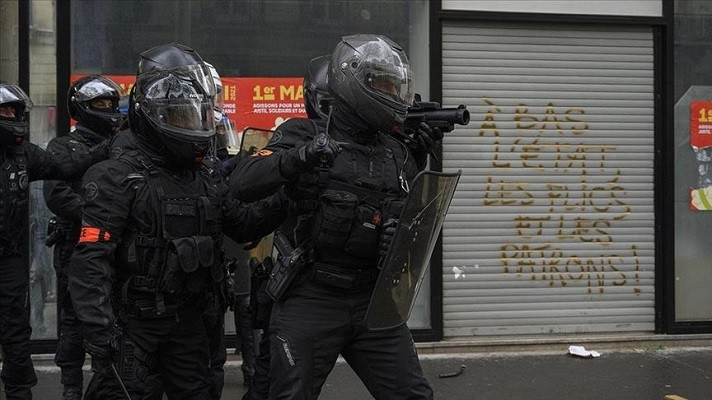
(422, 138)
(102, 354)
(319, 152)
(388, 230)
(100, 152)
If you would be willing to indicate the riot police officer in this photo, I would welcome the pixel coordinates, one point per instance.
(93, 102)
(150, 245)
(317, 102)
(338, 205)
(22, 162)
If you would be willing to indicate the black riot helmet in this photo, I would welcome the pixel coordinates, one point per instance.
(316, 91)
(171, 111)
(174, 55)
(82, 99)
(371, 75)
(14, 107)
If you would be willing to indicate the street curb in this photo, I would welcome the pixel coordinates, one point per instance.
(633, 341)
(533, 344)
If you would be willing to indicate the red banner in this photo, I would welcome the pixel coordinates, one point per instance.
(250, 102)
(262, 102)
(701, 124)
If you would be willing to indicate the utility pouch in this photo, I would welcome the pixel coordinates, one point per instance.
(194, 252)
(363, 238)
(185, 256)
(332, 222)
(289, 264)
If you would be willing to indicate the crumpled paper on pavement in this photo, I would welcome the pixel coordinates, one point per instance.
(580, 351)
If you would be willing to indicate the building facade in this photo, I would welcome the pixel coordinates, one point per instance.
(582, 205)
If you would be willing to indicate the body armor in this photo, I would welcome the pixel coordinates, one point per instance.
(173, 260)
(339, 211)
(14, 205)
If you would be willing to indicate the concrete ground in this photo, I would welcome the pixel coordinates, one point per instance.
(647, 373)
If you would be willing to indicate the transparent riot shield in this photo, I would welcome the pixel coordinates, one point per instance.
(254, 140)
(404, 267)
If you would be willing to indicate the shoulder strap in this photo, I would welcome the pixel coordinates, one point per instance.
(18, 153)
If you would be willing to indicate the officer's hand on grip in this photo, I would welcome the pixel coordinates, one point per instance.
(423, 137)
(388, 230)
(319, 152)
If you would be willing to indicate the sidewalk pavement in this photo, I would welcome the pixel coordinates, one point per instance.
(650, 373)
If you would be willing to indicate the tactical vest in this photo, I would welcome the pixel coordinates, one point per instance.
(181, 259)
(14, 202)
(340, 211)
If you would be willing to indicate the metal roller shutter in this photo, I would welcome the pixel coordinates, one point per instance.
(552, 225)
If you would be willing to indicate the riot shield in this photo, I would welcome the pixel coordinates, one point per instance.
(254, 140)
(404, 267)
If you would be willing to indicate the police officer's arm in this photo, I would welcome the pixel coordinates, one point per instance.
(249, 222)
(42, 164)
(60, 197)
(264, 172)
(108, 196)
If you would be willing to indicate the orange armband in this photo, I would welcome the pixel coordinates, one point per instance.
(92, 234)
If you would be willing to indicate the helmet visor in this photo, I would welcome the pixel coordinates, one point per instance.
(189, 117)
(11, 93)
(201, 74)
(98, 88)
(385, 72)
(177, 103)
(226, 136)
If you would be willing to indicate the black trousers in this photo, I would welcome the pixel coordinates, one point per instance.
(70, 349)
(174, 348)
(18, 374)
(214, 320)
(316, 323)
(261, 308)
(245, 334)
(259, 390)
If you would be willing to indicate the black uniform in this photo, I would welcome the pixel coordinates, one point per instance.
(22, 163)
(214, 315)
(149, 250)
(64, 199)
(244, 330)
(337, 214)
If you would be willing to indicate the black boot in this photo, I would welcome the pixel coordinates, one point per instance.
(72, 393)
